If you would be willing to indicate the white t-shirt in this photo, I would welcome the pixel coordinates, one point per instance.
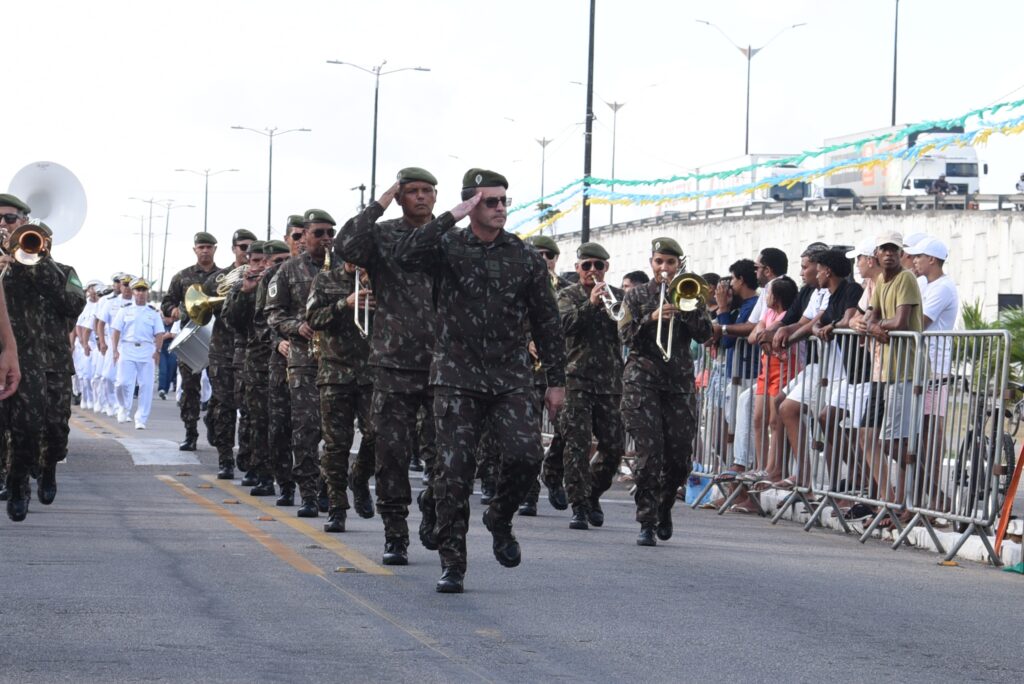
(138, 325)
(940, 301)
(817, 303)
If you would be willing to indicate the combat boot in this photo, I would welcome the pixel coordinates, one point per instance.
(396, 551)
(17, 504)
(4, 494)
(646, 536)
(428, 537)
(335, 520)
(451, 581)
(263, 488)
(557, 497)
(595, 514)
(309, 508)
(287, 497)
(506, 548)
(190, 442)
(528, 508)
(416, 464)
(362, 502)
(579, 518)
(226, 472)
(250, 479)
(664, 528)
(46, 489)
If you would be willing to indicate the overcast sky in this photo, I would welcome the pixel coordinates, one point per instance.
(123, 93)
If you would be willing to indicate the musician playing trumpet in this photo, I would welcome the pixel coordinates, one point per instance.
(659, 404)
(593, 385)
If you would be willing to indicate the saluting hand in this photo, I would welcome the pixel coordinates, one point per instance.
(461, 210)
(389, 195)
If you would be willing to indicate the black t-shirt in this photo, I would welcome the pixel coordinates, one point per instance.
(846, 296)
(796, 310)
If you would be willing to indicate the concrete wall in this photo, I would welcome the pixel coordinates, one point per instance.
(984, 245)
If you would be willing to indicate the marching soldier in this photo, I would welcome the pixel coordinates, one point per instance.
(346, 388)
(137, 332)
(173, 306)
(223, 409)
(659, 405)
(488, 285)
(286, 313)
(593, 387)
(400, 351)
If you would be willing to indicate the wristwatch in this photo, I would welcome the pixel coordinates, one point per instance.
(725, 329)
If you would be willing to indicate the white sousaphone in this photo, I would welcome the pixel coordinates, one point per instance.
(55, 195)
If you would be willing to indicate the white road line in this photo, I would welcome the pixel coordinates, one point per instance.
(157, 452)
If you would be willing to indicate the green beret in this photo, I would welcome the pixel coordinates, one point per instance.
(591, 250)
(242, 234)
(140, 284)
(256, 247)
(544, 242)
(482, 178)
(666, 245)
(415, 173)
(275, 247)
(296, 221)
(204, 238)
(7, 200)
(318, 216)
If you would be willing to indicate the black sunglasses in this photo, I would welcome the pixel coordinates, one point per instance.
(492, 202)
(547, 255)
(296, 236)
(320, 232)
(10, 219)
(596, 265)
(244, 246)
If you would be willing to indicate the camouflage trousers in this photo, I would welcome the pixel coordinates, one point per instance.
(26, 416)
(244, 456)
(663, 426)
(257, 403)
(222, 411)
(395, 428)
(58, 413)
(459, 416)
(305, 399)
(585, 413)
(279, 427)
(340, 407)
(488, 457)
(188, 405)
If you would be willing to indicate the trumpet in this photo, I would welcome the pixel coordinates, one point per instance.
(612, 306)
(686, 292)
(30, 249)
(361, 318)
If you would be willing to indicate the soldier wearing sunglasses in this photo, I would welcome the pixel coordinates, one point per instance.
(205, 246)
(225, 404)
(401, 341)
(488, 286)
(593, 387)
(286, 312)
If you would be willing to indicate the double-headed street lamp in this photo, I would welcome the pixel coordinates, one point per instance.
(377, 73)
(206, 173)
(270, 134)
(749, 53)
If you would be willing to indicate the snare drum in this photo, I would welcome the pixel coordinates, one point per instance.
(192, 345)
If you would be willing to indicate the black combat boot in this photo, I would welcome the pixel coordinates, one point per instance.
(263, 488)
(506, 548)
(46, 489)
(557, 496)
(335, 520)
(226, 472)
(664, 528)
(190, 441)
(309, 508)
(528, 508)
(595, 514)
(17, 504)
(250, 479)
(396, 551)
(361, 499)
(579, 518)
(451, 581)
(646, 536)
(428, 537)
(416, 464)
(287, 497)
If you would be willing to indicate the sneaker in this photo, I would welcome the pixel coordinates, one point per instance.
(110, 412)
(139, 425)
(122, 416)
(163, 394)
(85, 406)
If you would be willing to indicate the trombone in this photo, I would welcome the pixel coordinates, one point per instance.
(686, 292)
(361, 318)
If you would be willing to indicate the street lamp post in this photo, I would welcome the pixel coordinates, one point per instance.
(895, 45)
(167, 229)
(270, 134)
(206, 173)
(377, 73)
(543, 142)
(615, 107)
(588, 130)
(142, 235)
(748, 52)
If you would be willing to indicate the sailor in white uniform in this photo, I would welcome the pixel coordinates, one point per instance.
(85, 344)
(137, 332)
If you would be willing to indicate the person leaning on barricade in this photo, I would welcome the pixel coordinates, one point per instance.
(895, 306)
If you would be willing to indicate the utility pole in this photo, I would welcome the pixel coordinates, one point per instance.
(589, 130)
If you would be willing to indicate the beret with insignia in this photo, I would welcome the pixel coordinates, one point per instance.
(666, 245)
(415, 173)
(256, 247)
(591, 250)
(296, 221)
(482, 178)
(7, 200)
(242, 234)
(204, 238)
(318, 216)
(275, 247)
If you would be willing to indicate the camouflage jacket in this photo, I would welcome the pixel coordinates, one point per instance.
(592, 348)
(43, 303)
(267, 338)
(222, 339)
(645, 364)
(286, 306)
(485, 294)
(175, 296)
(403, 334)
(239, 311)
(343, 349)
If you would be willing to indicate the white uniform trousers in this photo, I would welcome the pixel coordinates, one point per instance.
(130, 373)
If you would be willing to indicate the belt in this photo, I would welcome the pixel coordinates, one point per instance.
(137, 344)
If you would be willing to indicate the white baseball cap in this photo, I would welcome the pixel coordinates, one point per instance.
(889, 238)
(933, 247)
(914, 238)
(865, 248)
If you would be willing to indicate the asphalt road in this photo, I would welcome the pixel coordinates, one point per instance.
(154, 573)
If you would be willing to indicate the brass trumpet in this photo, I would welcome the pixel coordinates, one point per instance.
(686, 292)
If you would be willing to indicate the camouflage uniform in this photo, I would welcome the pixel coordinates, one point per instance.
(242, 379)
(279, 404)
(345, 381)
(42, 300)
(286, 311)
(400, 343)
(659, 405)
(191, 381)
(222, 409)
(593, 392)
(481, 371)
(239, 311)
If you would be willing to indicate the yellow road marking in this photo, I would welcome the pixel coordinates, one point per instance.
(81, 422)
(358, 560)
(273, 545)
